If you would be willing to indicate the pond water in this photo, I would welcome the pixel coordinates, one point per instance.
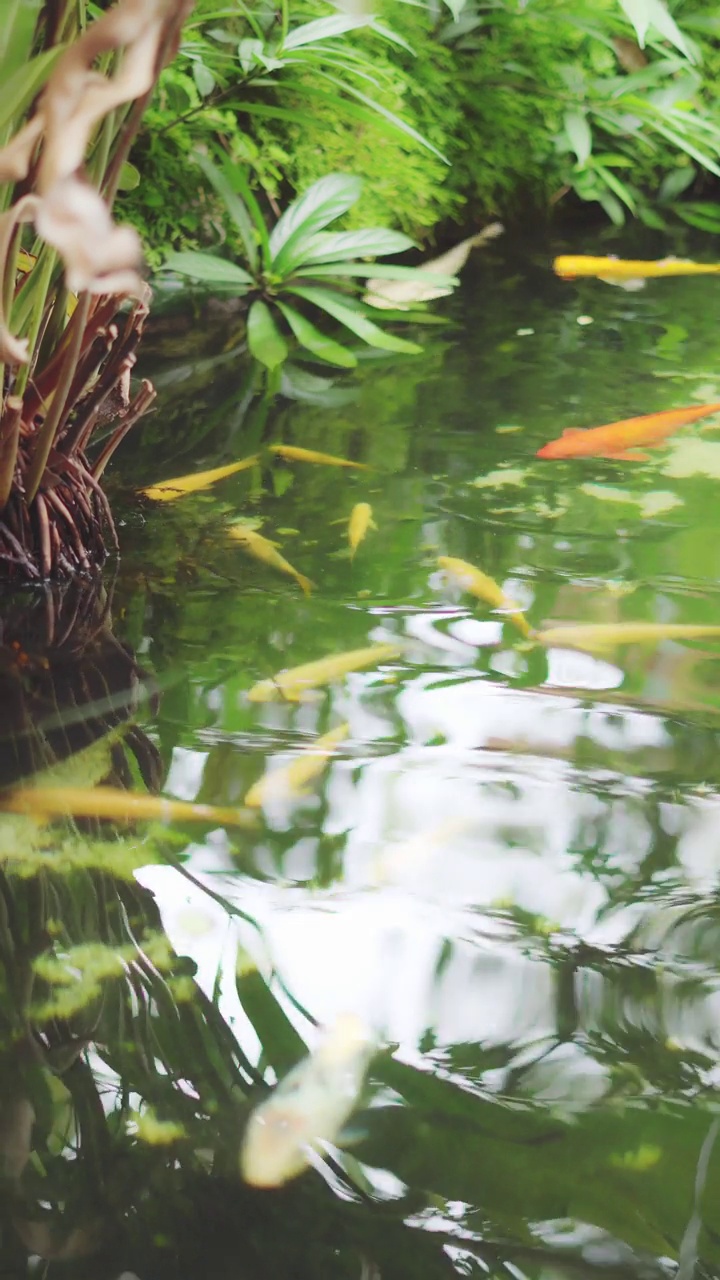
(508, 869)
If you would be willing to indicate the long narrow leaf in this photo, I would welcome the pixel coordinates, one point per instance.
(336, 24)
(25, 83)
(237, 178)
(355, 321)
(313, 340)
(402, 125)
(236, 209)
(208, 268)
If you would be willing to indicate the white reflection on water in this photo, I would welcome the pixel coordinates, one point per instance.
(423, 939)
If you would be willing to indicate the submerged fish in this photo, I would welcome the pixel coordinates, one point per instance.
(266, 551)
(295, 453)
(291, 684)
(629, 273)
(309, 1107)
(484, 588)
(114, 803)
(292, 779)
(618, 439)
(399, 295)
(169, 490)
(360, 521)
(602, 635)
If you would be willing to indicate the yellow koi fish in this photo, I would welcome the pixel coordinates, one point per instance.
(399, 295)
(292, 683)
(484, 588)
(292, 779)
(360, 521)
(294, 453)
(169, 490)
(266, 551)
(629, 273)
(309, 1107)
(603, 635)
(116, 804)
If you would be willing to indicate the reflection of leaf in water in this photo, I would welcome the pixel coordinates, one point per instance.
(654, 503)
(690, 457)
(503, 476)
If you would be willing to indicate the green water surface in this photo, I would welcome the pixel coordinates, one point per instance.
(509, 870)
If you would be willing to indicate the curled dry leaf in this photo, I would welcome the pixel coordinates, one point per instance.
(99, 256)
(69, 213)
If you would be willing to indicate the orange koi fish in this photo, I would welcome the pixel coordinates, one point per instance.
(618, 439)
(627, 272)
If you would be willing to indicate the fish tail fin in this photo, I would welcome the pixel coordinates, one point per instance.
(490, 232)
(305, 583)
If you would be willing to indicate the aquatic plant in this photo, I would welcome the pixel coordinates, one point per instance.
(74, 94)
(299, 262)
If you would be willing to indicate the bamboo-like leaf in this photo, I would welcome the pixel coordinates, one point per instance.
(323, 202)
(208, 268)
(315, 341)
(355, 321)
(336, 24)
(398, 123)
(646, 13)
(265, 340)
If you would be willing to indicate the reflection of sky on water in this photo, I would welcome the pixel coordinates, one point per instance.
(480, 813)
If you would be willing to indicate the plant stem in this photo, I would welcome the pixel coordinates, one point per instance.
(46, 436)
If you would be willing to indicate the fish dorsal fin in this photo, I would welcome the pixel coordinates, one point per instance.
(573, 431)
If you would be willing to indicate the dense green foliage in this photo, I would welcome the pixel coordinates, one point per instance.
(487, 110)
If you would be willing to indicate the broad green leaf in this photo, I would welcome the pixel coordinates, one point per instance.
(236, 209)
(281, 1043)
(579, 134)
(329, 246)
(248, 52)
(17, 28)
(380, 271)
(208, 268)
(619, 188)
(25, 83)
(265, 340)
(336, 24)
(129, 177)
(675, 182)
(654, 13)
(323, 202)
(355, 321)
(204, 79)
(699, 214)
(313, 340)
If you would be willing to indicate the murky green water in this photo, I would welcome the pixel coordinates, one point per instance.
(509, 869)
